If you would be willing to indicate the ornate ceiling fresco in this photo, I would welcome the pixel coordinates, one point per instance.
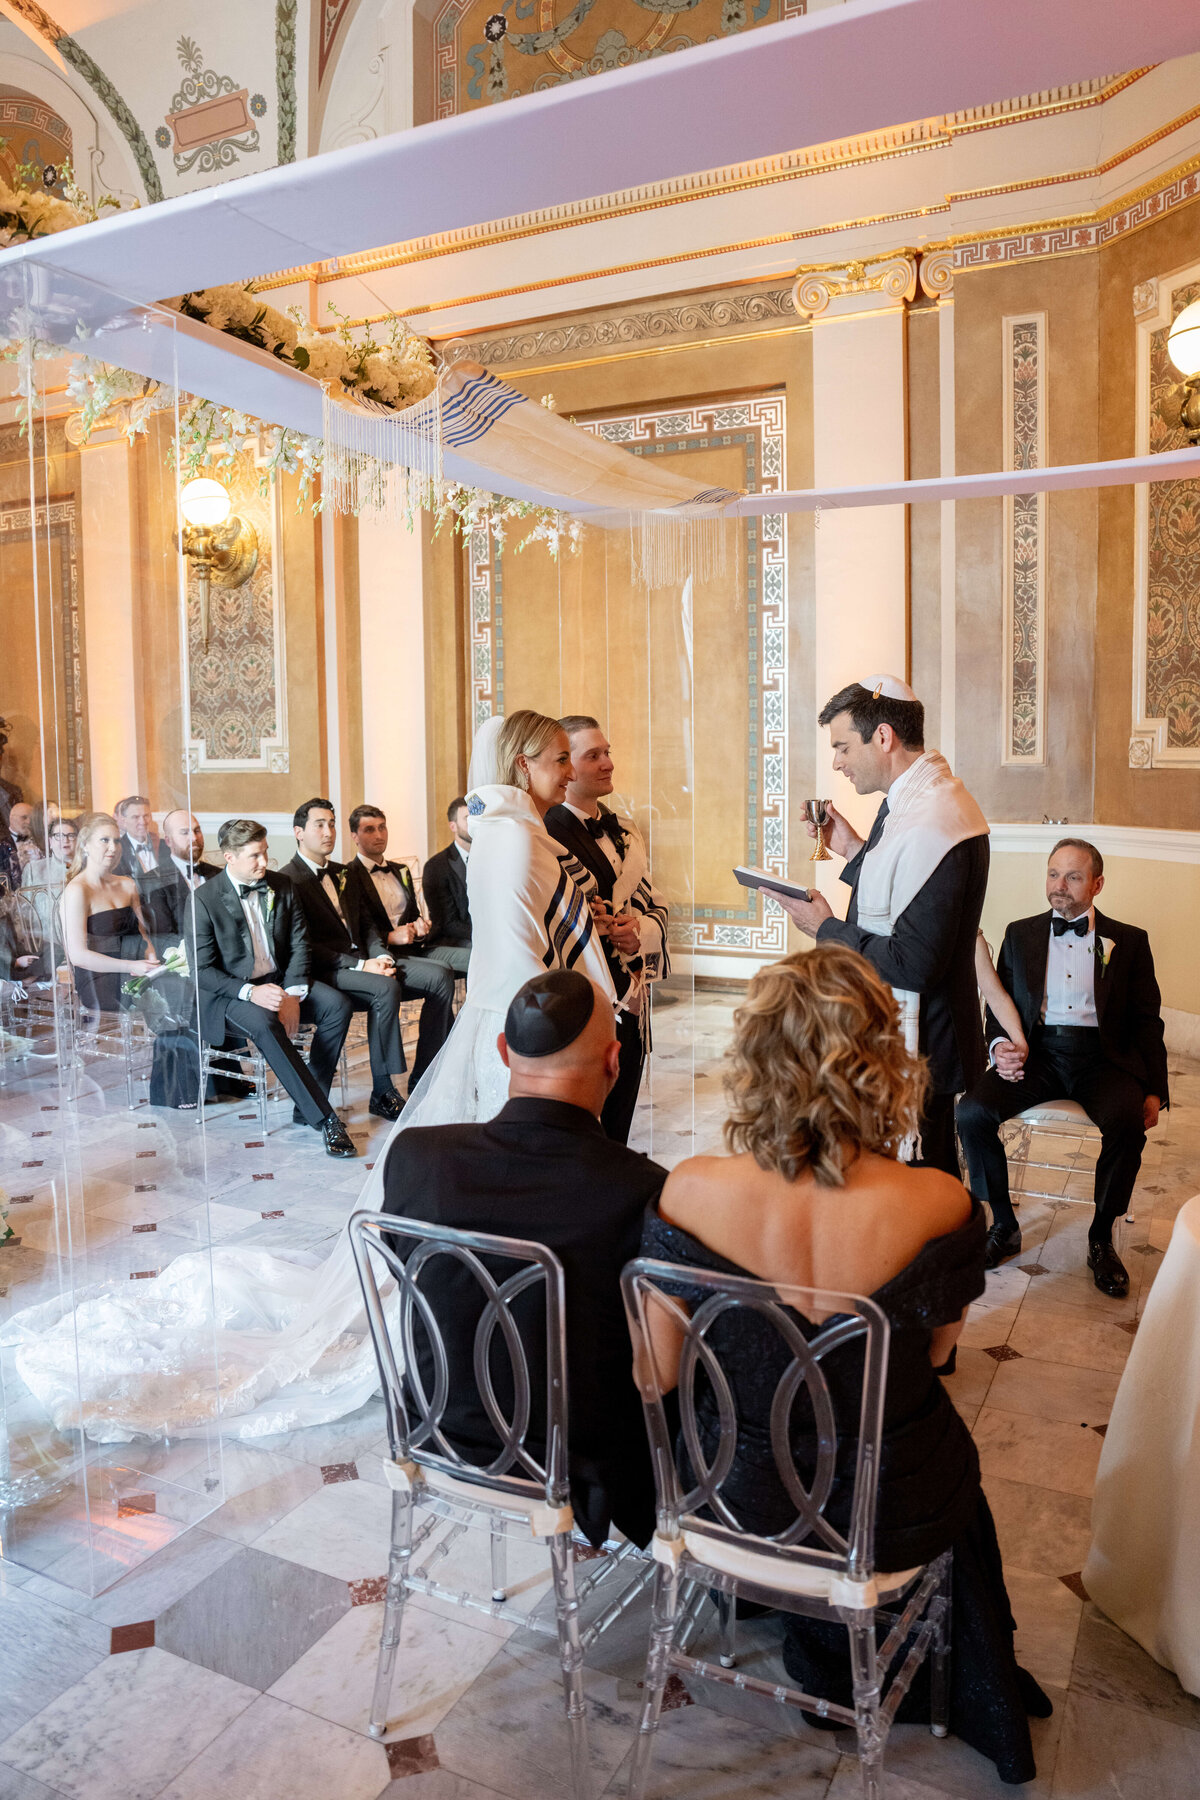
(490, 50)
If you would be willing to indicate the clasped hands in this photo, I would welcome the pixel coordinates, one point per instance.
(621, 929)
(408, 934)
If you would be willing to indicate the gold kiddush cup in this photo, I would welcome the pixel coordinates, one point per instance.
(817, 813)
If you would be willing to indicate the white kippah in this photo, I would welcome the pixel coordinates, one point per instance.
(889, 686)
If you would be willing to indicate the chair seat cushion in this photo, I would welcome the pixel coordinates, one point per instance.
(1053, 1112)
(808, 1580)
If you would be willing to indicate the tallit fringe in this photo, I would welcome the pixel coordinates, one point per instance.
(379, 460)
(670, 546)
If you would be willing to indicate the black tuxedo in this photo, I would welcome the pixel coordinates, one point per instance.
(444, 880)
(224, 953)
(130, 864)
(573, 835)
(166, 899)
(1109, 1069)
(931, 952)
(338, 943)
(544, 1170)
(417, 978)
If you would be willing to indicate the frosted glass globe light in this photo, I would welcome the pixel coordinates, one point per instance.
(1183, 340)
(204, 502)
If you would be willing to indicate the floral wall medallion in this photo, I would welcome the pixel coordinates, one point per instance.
(211, 121)
(1024, 543)
(489, 50)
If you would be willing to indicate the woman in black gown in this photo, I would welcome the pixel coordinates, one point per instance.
(107, 943)
(822, 1090)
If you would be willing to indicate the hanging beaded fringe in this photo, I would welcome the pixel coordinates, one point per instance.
(670, 546)
(380, 460)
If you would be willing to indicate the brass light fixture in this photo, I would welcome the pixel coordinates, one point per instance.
(221, 547)
(1180, 408)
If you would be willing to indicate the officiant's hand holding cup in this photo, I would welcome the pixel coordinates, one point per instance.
(838, 833)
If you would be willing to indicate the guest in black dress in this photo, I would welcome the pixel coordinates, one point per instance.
(822, 1091)
(107, 943)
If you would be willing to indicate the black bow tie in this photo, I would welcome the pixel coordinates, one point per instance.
(253, 887)
(594, 827)
(380, 869)
(1080, 926)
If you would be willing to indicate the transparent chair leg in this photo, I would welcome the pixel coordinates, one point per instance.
(662, 1633)
(570, 1650)
(727, 1617)
(939, 1669)
(399, 1556)
(499, 1566)
(865, 1672)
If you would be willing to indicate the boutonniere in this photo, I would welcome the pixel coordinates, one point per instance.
(339, 880)
(1103, 951)
(270, 901)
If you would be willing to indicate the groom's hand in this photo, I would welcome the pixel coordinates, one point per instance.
(839, 834)
(809, 915)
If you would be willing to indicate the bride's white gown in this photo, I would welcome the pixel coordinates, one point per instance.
(289, 1331)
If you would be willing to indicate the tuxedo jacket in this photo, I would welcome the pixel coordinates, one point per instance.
(166, 898)
(373, 914)
(333, 943)
(574, 836)
(225, 953)
(931, 952)
(1128, 1003)
(544, 1170)
(129, 864)
(444, 880)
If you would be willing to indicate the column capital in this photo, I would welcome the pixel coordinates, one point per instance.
(855, 286)
(937, 274)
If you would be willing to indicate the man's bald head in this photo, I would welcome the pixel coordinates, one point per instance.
(563, 1041)
(182, 835)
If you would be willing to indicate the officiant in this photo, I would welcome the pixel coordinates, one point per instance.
(916, 891)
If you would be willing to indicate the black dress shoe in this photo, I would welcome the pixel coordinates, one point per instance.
(1108, 1271)
(338, 1141)
(386, 1103)
(1002, 1242)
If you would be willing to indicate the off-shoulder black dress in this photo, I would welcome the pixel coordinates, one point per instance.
(930, 1496)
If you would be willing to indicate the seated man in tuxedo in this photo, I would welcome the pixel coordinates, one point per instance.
(252, 969)
(181, 868)
(384, 893)
(1090, 1009)
(544, 1169)
(444, 882)
(347, 952)
(139, 844)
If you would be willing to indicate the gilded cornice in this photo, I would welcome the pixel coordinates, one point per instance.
(892, 277)
(643, 325)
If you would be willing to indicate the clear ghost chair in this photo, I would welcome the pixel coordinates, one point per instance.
(521, 1493)
(807, 1567)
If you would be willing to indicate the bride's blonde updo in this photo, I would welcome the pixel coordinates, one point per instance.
(522, 734)
(85, 829)
(819, 1070)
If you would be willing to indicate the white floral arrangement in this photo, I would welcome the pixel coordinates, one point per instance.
(30, 208)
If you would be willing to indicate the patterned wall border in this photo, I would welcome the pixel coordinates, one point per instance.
(485, 629)
(650, 324)
(1024, 387)
(1067, 237)
(1149, 743)
(57, 525)
(273, 754)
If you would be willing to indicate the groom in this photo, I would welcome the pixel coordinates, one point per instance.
(916, 890)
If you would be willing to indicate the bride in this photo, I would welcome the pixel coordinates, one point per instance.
(291, 1340)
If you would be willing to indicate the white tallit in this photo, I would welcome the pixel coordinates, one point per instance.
(932, 813)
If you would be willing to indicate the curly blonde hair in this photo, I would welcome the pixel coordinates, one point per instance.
(523, 734)
(818, 1070)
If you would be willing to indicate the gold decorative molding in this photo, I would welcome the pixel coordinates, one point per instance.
(894, 277)
(937, 274)
(690, 317)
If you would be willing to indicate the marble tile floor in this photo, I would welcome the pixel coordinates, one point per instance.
(237, 1659)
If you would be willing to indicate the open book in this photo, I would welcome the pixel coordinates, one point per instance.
(774, 884)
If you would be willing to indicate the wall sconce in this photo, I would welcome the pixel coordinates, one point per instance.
(222, 548)
(1181, 407)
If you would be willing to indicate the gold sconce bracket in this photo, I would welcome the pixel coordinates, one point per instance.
(222, 555)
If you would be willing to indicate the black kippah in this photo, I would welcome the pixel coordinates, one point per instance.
(549, 1013)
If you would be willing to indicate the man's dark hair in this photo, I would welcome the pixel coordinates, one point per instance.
(869, 711)
(452, 809)
(300, 816)
(359, 814)
(129, 800)
(235, 834)
(1082, 844)
(579, 722)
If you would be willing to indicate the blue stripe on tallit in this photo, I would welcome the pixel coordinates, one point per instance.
(568, 925)
(471, 413)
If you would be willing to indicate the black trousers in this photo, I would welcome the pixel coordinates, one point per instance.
(380, 997)
(432, 983)
(938, 1147)
(619, 1108)
(1070, 1066)
(304, 1081)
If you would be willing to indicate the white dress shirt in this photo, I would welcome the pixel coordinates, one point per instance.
(604, 842)
(329, 889)
(260, 938)
(390, 889)
(463, 853)
(1070, 996)
(145, 855)
(190, 875)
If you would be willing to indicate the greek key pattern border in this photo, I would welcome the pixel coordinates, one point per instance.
(1065, 237)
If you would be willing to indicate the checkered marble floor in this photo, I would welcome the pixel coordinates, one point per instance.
(236, 1656)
